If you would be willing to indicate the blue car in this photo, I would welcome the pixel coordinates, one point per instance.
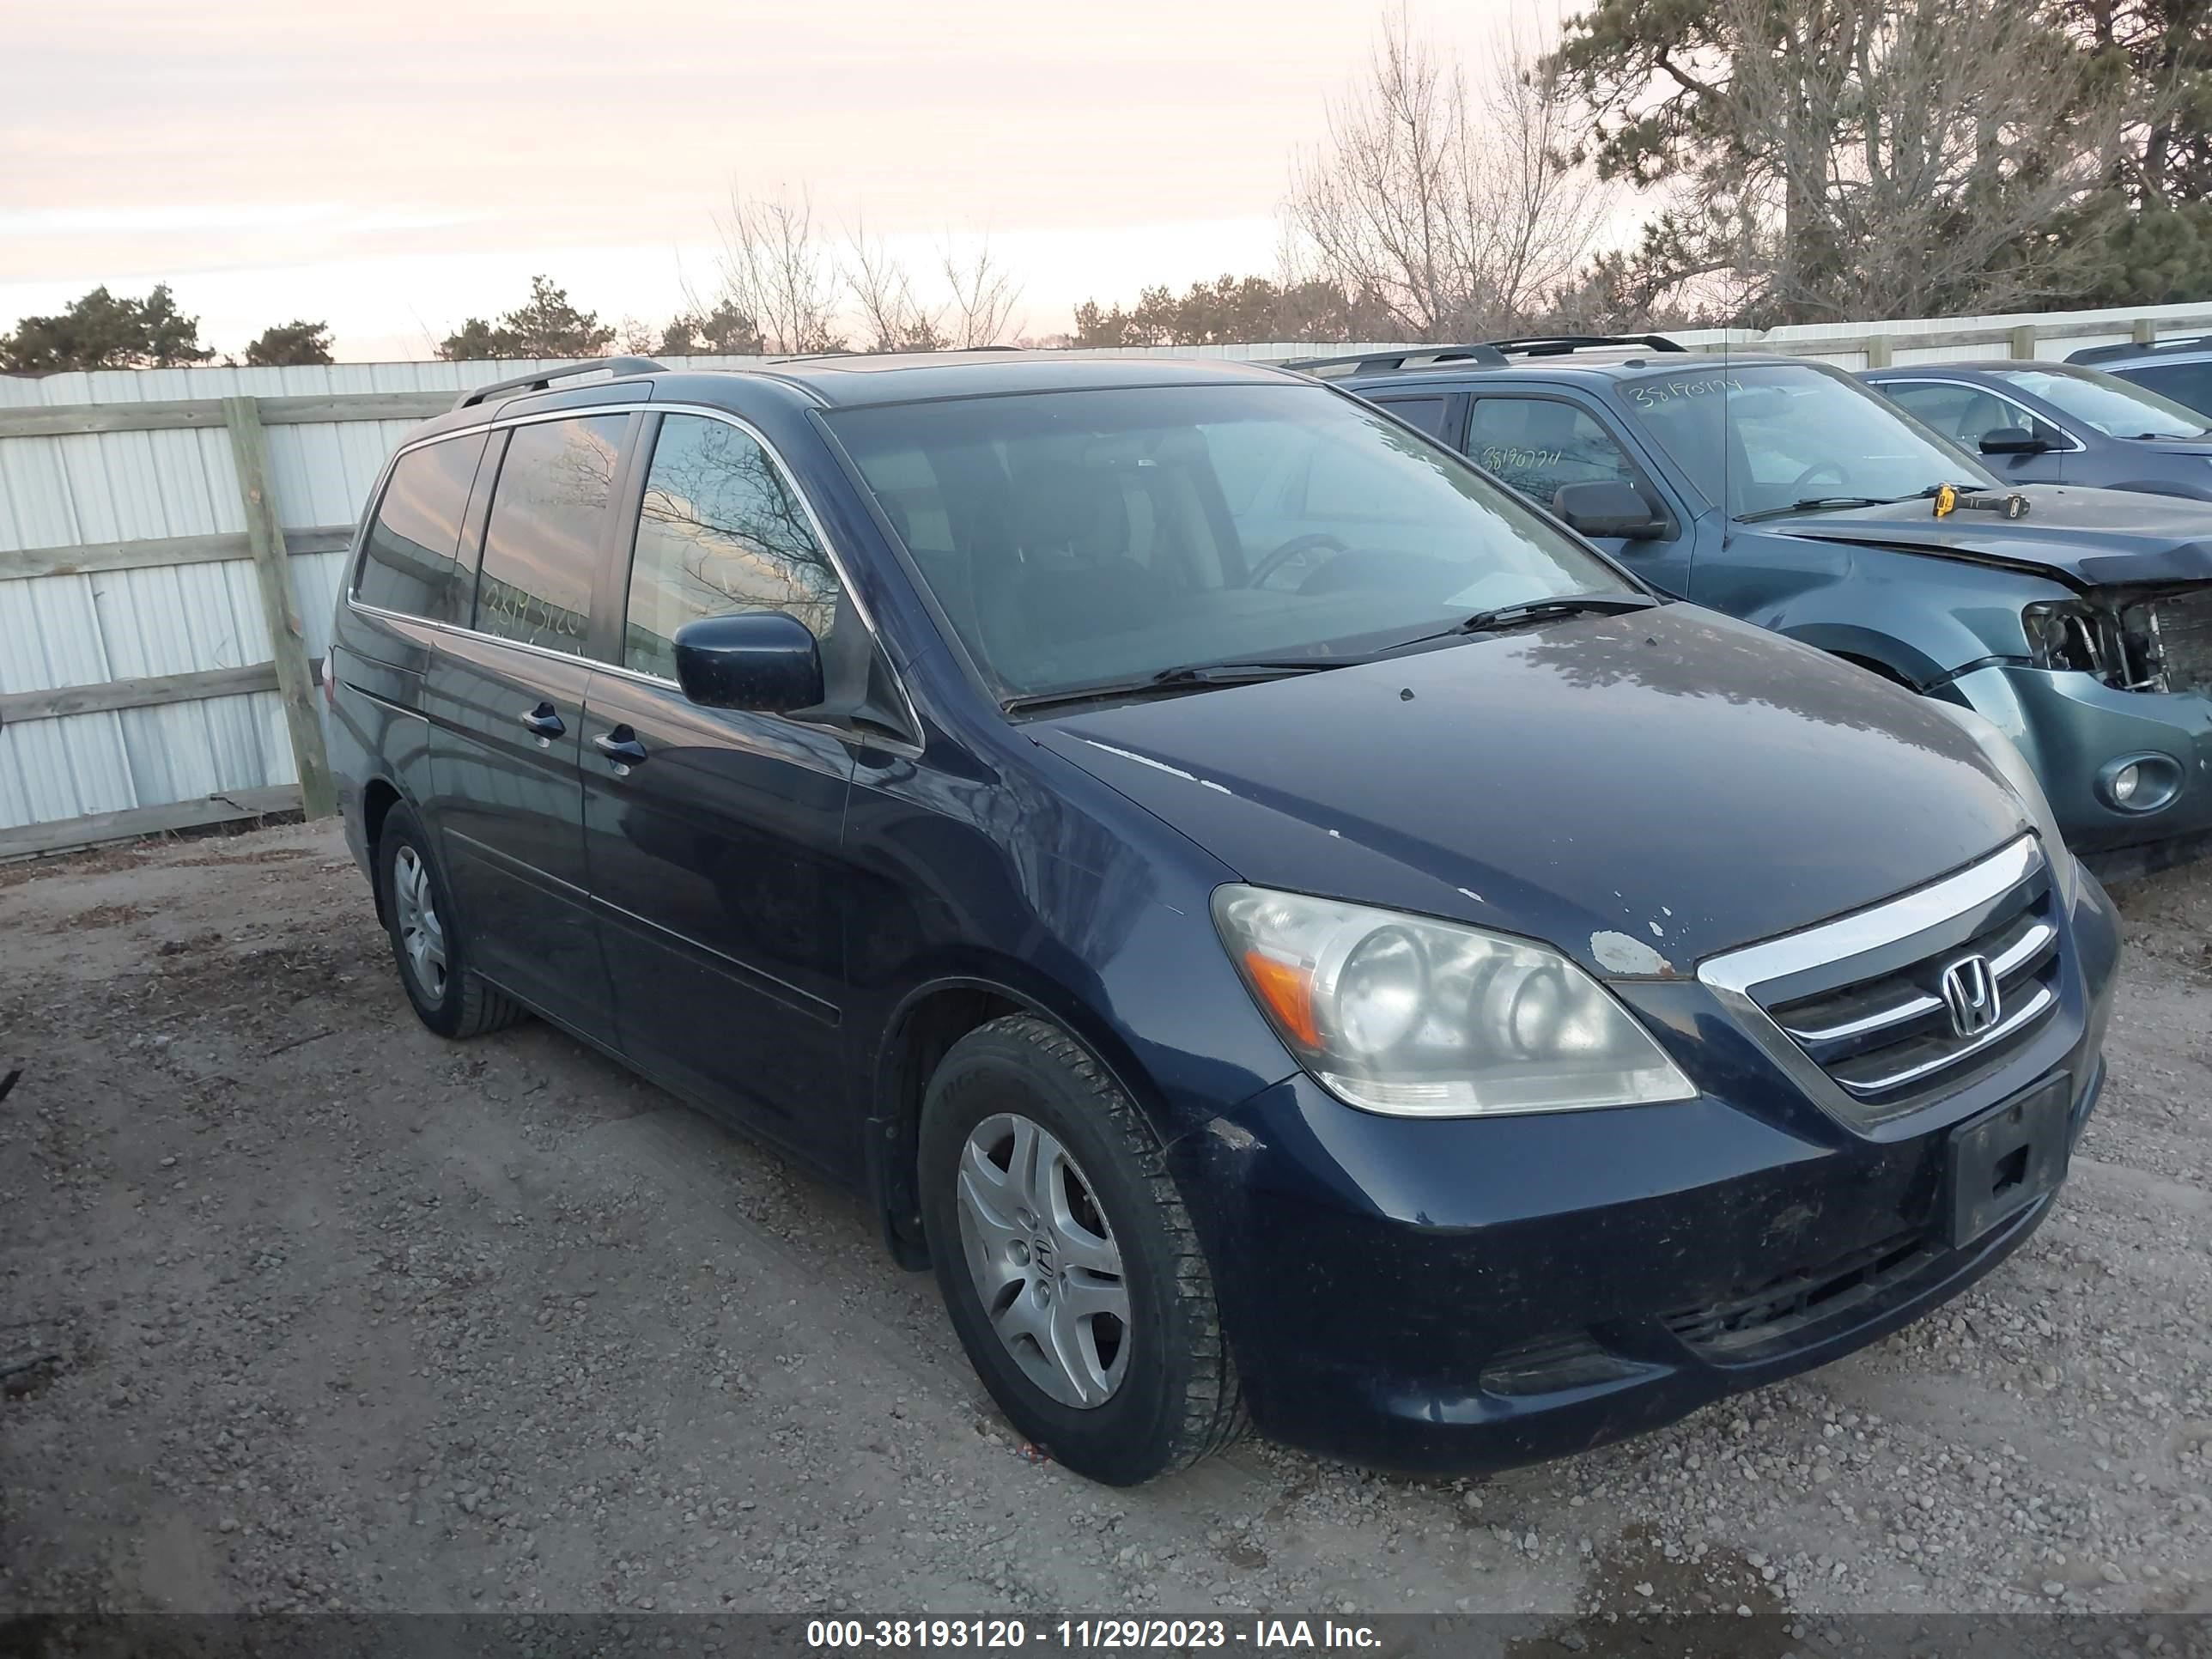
(1355, 961)
(1789, 494)
(2056, 423)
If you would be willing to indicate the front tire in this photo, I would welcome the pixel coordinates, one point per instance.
(427, 945)
(1066, 1260)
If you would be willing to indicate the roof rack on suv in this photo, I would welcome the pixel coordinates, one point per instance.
(1388, 362)
(545, 377)
(1483, 354)
(2108, 353)
(1558, 345)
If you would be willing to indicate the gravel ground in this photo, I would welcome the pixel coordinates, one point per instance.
(345, 1316)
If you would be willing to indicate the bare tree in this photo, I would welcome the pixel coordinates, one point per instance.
(772, 270)
(984, 294)
(1906, 160)
(891, 318)
(1451, 207)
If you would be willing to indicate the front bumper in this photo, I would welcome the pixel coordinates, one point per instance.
(1454, 1295)
(2073, 727)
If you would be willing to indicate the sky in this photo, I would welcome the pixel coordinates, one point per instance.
(393, 168)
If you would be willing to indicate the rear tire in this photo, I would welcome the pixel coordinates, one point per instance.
(1066, 1260)
(427, 943)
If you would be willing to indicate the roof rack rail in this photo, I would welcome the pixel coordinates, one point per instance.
(1388, 362)
(2106, 353)
(545, 377)
(1560, 345)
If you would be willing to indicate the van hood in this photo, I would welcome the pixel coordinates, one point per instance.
(2090, 538)
(1638, 791)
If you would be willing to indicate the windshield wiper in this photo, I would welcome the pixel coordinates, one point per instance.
(1824, 504)
(1529, 611)
(1180, 680)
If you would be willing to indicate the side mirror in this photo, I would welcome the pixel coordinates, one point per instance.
(1607, 508)
(761, 660)
(2012, 440)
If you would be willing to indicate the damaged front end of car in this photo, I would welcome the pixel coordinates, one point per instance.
(2132, 639)
(2113, 708)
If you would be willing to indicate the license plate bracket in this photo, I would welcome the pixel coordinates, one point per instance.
(2004, 1160)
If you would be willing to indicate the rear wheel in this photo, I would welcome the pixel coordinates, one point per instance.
(431, 954)
(1066, 1260)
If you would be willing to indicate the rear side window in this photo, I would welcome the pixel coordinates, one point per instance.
(411, 561)
(548, 521)
(1426, 413)
(719, 532)
(2186, 383)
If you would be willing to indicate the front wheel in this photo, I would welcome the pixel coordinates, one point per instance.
(1066, 1260)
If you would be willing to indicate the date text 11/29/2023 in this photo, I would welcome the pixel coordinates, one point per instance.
(1087, 1635)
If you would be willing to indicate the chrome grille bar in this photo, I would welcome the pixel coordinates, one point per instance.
(2038, 1005)
(1854, 1007)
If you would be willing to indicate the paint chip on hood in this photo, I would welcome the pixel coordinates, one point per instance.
(1618, 953)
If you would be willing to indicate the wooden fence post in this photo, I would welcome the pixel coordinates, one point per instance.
(264, 535)
(2022, 343)
(2143, 331)
(1877, 351)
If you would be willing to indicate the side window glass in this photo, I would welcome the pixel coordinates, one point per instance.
(719, 532)
(1426, 413)
(410, 560)
(542, 547)
(1940, 405)
(1536, 445)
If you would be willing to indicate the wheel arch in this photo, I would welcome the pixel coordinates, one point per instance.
(378, 797)
(929, 1018)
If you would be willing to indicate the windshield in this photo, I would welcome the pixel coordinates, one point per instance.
(1081, 538)
(1757, 437)
(2108, 403)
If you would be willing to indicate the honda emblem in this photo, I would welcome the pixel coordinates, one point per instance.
(1970, 991)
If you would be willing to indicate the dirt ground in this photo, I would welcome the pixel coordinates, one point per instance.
(321, 1311)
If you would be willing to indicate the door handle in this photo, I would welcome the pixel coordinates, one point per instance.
(543, 722)
(620, 745)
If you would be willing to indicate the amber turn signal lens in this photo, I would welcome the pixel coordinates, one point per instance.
(1288, 989)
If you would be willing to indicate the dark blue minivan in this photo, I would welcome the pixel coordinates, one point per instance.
(1284, 927)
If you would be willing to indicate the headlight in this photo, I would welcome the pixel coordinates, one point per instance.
(1424, 1018)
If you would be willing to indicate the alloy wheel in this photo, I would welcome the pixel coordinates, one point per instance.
(1044, 1260)
(422, 935)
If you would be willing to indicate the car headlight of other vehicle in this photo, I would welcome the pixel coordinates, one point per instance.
(2004, 755)
(1418, 1018)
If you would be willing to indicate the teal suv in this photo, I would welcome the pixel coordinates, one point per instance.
(1785, 493)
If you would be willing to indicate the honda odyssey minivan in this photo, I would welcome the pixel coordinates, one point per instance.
(1285, 930)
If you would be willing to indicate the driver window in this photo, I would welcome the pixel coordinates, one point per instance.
(1537, 444)
(1965, 414)
(719, 532)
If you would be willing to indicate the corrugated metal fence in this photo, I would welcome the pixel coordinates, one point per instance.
(170, 542)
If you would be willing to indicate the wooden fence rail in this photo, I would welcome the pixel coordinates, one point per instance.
(265, 541)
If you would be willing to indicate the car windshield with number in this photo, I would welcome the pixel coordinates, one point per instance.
(1096, 538)
(2108, 403)
(1765, 439)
